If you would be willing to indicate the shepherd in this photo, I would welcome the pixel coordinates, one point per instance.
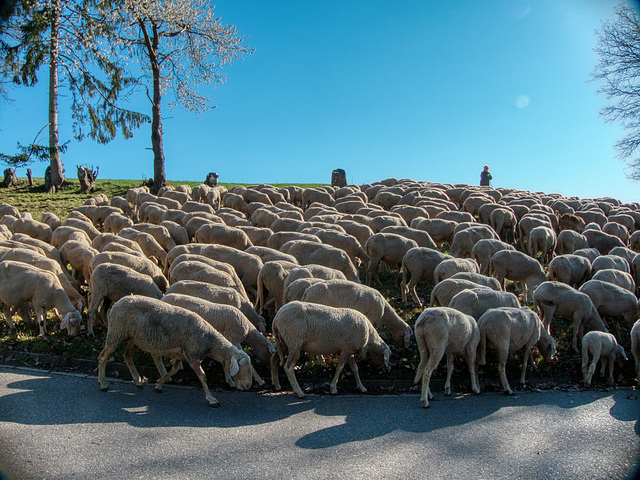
(485, 177)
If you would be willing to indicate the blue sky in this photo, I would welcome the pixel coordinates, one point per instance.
(427, 90)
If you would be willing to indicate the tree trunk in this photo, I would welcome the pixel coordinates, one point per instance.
(57, 172)
(159, 179)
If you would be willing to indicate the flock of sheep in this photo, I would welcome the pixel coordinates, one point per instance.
(188, 273)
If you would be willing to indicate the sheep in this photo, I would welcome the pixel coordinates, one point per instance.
(86, 226)
(367, 300)
(612, 301)
(109, 283)
(218, 265)
(635, 347)
(62, 234)
(278, 239)
(317, 253)
(141, 265)
(202, 272)
(445, 330)
(321, 330)
(21, 284)
(116, 222)
(33, 228)
(51, 219)
(421, 237)
(418, 264)
(542, 239)
(361, 231)
(268, 254)
(451, 266)
(604, 347)
(345, 242)
(387, 247)
(105, 239)
(569, 241)
(165, 330)
(48, 250)
(478, 278)
(518, 267)
(78, 255)
(257, 236)
(504, 223)
(528, 223)
(620, 231)
(570, 222)
(617, 277)
(590, 253)
(557, 299)
(463, 241)
(193, 221)
(122, 204)
(271, 279)
(602, 241)
(32, 258)
(444, 291)
(149, 245)
(217, 294)
(486, 248)
(151, 212)
(510, 329)
(571, 269)
(158, 232)
(610, 261)
(223, 235)
(232, 324)
(476, 301)
(295, 289)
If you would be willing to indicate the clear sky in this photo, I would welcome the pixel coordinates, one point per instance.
(428, 90)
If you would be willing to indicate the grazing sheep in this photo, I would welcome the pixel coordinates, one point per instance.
(386, 247)
(49, 251)
(232, 324)
(367, 300)
(445, 330)
(268, 254)
(116, 222)
(451, 266)
(33, 228)
(295, 289)
(440, 230)
(149, 245)
(218, 265)
(109, 283)
(476, 301)
(464, 240)
(610, 261)
(612, 301)
(105, 239)
(444, 291)
(571, 269)
(602, 241)
(478, 278)
(635, 347)
(557, 299)
(620, 231)
(504, 223)
(590, 253)
(78, 255)
(320, 254)
(321, 330)
(223, 235)
(604, 347)
(165, 330)
(344, 241)
(570, 222)
(51, 219)
(542, 239)
(617, 277)
(486, 248)
(278, 239)
(271, 280)
(158, 232)
(510, 329)
(517, 267)
(217, 294)
(64, 232)
(421, 237)
(22, 284)
(569, 241)
(141, 265)
(418, 264)
(202, 272)
(86, 226)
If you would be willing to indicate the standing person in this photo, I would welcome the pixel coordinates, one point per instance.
(485, 177)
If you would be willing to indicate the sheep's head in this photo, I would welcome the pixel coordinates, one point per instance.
(380, 355)
(71, 322)
(546, 345)
(239, 366)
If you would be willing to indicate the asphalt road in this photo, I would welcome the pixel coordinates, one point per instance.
(57, 426)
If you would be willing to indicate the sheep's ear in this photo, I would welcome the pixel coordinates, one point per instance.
(65, 322)
(234, 368)
(407, 338)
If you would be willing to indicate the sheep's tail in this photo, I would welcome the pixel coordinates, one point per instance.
(482, 348)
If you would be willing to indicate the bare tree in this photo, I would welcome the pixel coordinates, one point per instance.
(181, 46)
(618, 70)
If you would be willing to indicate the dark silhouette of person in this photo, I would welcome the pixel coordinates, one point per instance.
(485, 177)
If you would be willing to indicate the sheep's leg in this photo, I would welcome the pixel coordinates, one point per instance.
(103, 358)
(289, 367)
(577, 330)
(525, 359)
(592, 367)
(356, 374)
(471, 363)
(228, 379)
(197, 367)
(176, 365)
(434, 359)
(8, 315)
(41, 318)
(128, 359)
(275, 381)
(611, 364)
(447, 385)
(503, 354)
(256, 377)
(157, 359)
(333, 388)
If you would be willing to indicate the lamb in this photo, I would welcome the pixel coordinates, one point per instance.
(612, 301)
(32, 258)
(463, 241)
(321, 330)
(418, 264)
(542, 239)
(217, 294)
(476, 301)
(617, 277)
(557, 299)
(570, 241)
(451, 266)
(604, 347)
(635, 347)
(444, 291)
(510, 329)
(571, 269)
(445, 330)
(387, 247)
(165, 330)
(367, 300)
(486, 248)
(110, 282)
(317, 253)
(141, 265)
(21, 284)
(518, 267)
(232, 324)
(201, 272)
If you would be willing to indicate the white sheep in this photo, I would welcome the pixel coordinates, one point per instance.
(612, 301)
(165, 330)
(321, 330)
(617, 277)
(464, 240)
(268, 254)
(149, 245)
(542, 239)
(486, 248)
(141, 265)
(21, 284)
(478, 278)
(450, 266)
(571, 269)
(367, 300)
(202, 272)
(510, 329)
(590, 253)
(295, 289)
(223, 235)
(445, 330)
(418, 264)
(558, 299)
(217, 294)
(476, 301)
(386, 247)
(604, 347)
(518, 267)
(569, 241)
(78, 255)
(444, 291)
(610, 261)
(109, 283)
(320, 254)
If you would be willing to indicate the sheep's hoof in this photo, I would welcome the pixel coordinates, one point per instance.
(139, 385)
(477, 391)
(158, 389)
(363, 390)
(509, 392)
(104, 389)
(425, 405)
(447, 392)
(215, 404)
(301, 395)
